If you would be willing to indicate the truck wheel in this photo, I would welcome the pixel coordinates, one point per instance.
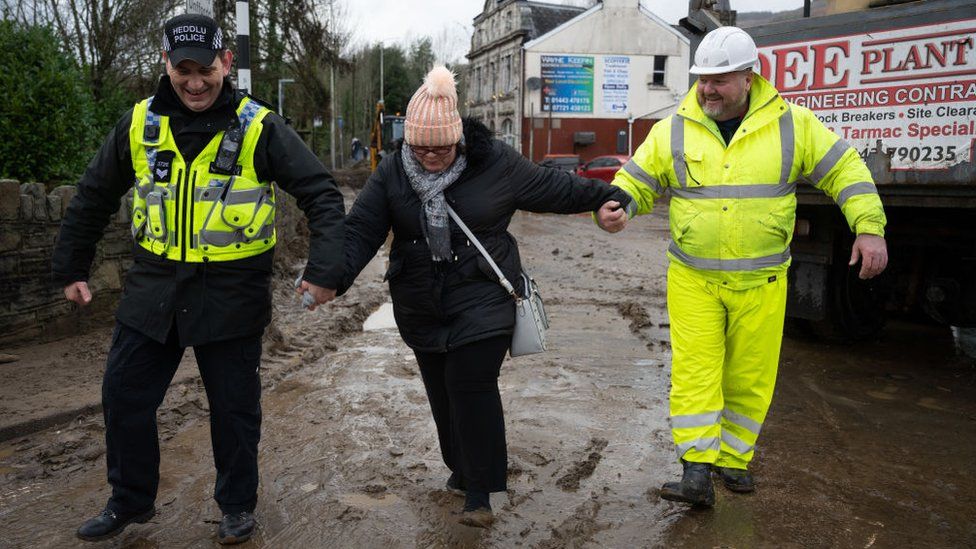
(855, 307)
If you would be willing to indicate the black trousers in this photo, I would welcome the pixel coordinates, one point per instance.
(137, 376)
(462, 387)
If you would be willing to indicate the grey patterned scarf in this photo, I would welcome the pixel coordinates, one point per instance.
(430, 189)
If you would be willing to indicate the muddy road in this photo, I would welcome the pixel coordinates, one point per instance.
(866, 446)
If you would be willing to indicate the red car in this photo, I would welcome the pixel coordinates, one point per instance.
(603, 167)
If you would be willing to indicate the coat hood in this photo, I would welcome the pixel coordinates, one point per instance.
(478, 141)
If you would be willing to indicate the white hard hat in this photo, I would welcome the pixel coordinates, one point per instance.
(725, 49)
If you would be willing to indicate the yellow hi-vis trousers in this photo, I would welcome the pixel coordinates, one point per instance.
(725, 353)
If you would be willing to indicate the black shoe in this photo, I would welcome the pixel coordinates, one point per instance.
(695, 486)
(737, 480)
(454, 485)
(109, 524)
(477, 510)
(236, 528)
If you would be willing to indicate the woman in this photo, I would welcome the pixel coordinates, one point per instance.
(448, 304)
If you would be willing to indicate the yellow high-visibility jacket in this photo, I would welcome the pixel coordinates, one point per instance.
(733, 207)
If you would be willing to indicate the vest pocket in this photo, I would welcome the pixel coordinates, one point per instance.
(237, 215)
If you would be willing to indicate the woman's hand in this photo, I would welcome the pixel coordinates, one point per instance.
(320, 295)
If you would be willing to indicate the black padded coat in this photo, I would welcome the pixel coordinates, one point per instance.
(442, 305)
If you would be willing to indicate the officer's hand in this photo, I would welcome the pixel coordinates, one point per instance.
(78, 292)
(873, 253)
(319, 294)
(611, 217)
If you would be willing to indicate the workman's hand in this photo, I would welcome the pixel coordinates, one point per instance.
(872, 251)
(611, 217)
(78, 292)
(320, 294)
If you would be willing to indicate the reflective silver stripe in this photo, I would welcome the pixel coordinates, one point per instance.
(701, 444)
(750, 264)
(678, 148)
(248, 196)
(706, 419)
(226, 238)
(144, 190)
(631, 208)
(786, 145)
(736, 191)
(746, 423)
(212, 194)
(207, 194)
(639, 174)
(863, 187)
(736, 443)
(829, 160)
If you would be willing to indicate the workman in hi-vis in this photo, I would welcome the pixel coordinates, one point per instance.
(731, 157)
(200, 158)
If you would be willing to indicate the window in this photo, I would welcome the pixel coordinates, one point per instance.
(477, 84)
(494, 78)
(603, 163)
(507, 135)
(507, 74)
(657, 77)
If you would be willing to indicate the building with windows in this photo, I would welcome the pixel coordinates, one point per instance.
(597, 83)
(494, 83)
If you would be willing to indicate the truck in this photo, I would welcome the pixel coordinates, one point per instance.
(385, 135)
(897, 81)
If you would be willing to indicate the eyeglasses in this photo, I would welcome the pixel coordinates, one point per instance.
(428, 151)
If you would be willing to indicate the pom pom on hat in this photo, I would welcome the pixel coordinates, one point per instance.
(432, 117)
(440, 83)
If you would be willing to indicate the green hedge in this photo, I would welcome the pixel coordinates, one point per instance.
(47, 115)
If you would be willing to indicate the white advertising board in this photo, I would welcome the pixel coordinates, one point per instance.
(909, 92)
(616, 83)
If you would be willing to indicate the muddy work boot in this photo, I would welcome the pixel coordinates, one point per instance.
(235, 528)
(695, 486)
(477, 510)
(110, 524)
(736, 480)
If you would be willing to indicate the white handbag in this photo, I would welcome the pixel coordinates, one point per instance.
(531, 321)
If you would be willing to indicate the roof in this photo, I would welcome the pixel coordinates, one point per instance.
(545, 17)
(596, 8)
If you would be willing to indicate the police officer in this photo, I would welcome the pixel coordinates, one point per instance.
(731, 157)
(200, 157)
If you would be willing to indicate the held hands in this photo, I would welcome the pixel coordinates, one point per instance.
(320, 295)
(78, 292)
(611, 217)
(873, 253)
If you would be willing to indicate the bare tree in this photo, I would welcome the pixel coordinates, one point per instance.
(113, 40)
(311, 41)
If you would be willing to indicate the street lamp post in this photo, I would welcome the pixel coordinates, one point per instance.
(281, 94)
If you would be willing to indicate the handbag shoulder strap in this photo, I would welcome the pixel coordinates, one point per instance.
(477, 244)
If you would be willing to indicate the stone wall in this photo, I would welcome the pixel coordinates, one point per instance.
(32, 308)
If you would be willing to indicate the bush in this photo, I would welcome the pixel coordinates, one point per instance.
(47, 113)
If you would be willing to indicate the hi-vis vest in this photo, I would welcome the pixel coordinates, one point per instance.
(733, 206)
(214, 209)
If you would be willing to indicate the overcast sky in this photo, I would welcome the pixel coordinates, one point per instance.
(404, 20)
